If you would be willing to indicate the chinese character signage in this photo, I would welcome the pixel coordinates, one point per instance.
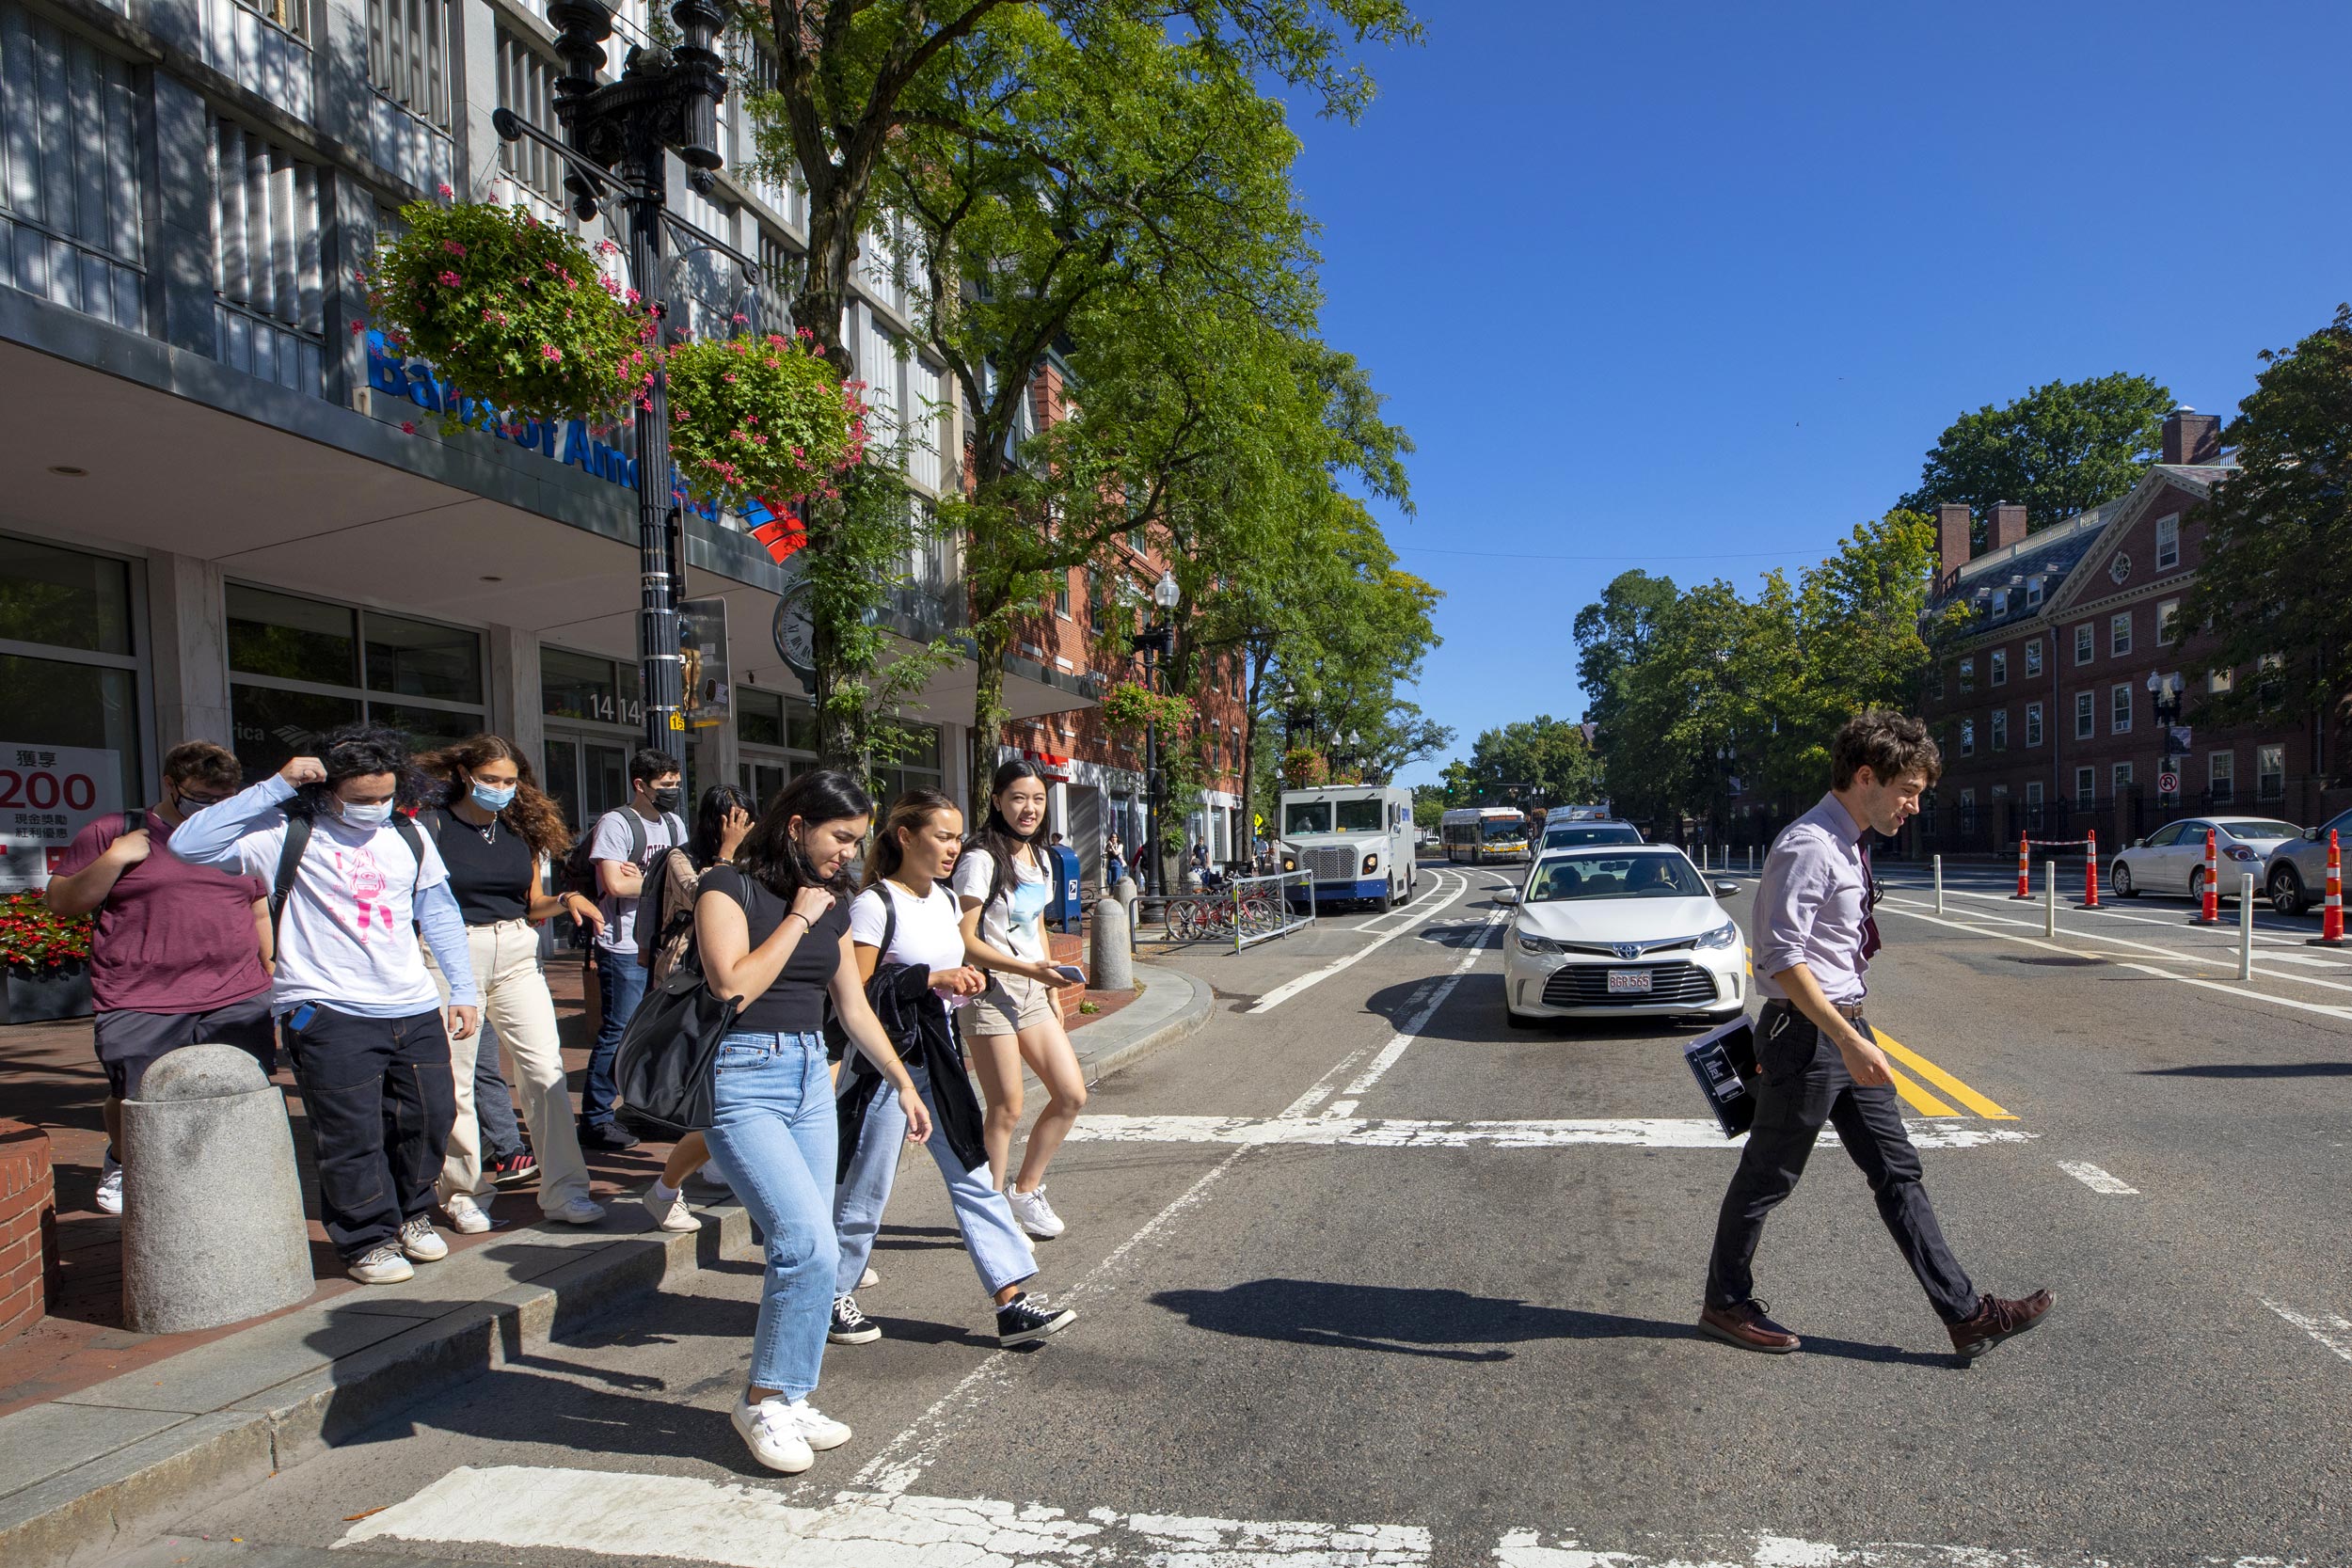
(48, 794)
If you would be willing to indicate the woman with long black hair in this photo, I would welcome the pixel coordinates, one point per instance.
(498, 833)
(721, 824)
(772, 932)
(907, 919)
(1004, 885)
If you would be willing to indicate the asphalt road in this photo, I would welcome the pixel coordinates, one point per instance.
(1332, 1314)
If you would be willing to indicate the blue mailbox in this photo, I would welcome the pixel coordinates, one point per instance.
(1063, 906)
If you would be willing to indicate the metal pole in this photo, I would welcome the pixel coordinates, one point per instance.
(657, 620)
(2049, 898)
(1939, 885)
(2245, 926)
(1150, 788)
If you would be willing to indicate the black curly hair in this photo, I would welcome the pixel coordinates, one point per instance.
(355, 750)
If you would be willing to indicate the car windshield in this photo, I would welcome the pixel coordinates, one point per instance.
(2258, 828)
(1562, 838)
(1657, 874)
(1308, 816)
(1360, 817)
(1496, 831)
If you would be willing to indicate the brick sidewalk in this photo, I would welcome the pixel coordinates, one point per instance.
(52, 1081)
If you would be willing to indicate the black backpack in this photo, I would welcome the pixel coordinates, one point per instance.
(579, 866)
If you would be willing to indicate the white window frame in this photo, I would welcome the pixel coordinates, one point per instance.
(1998, 660)
(2118, 634)
(2086, 643)
(2120, 708)
(2167, 542)
(2118, 778)
(2033, 657)
(2221, 776)
(1968, 738)
(1968, 674)
(2033, 726)
(2270, 772)
(2033, 591)
(2000, 601)
(2086, 787)
(2000, 729)
(2033, 792)
(2168, 622)
(2220, 681)
(2086, 714)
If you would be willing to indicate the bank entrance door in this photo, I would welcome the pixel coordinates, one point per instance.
(587, 775)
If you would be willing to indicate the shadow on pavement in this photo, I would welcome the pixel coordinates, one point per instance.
(1451, 1326)
(1475, 1015)
(2253, 1070)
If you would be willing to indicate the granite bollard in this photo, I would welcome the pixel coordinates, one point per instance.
(1113, 968)
(212, 1230)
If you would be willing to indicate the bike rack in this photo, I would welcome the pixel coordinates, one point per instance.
(1225, 907)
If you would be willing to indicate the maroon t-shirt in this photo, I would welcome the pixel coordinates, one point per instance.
(171, 937)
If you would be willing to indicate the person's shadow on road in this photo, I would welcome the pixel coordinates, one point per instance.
(1451, 1326)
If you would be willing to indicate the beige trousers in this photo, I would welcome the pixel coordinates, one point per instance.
(515, 1003)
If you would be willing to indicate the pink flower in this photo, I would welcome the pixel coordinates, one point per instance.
(446, 192)
(551, 353)
(358, 327)
(454, 249)
(407, 427)
(450, 281)
(729, 376)
(631, 296)
(741, 320)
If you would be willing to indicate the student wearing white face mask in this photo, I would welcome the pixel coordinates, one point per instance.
(498, 834)
(352, 882)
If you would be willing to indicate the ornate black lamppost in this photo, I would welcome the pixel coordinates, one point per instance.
(617, 137)
(1156, 641)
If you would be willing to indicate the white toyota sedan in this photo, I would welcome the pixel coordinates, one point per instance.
(1618, 930)
(2172, 859)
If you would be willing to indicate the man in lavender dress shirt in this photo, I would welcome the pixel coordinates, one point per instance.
(1815, 936)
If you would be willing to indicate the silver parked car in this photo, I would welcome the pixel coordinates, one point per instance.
(2296, 873)
(2172, 859)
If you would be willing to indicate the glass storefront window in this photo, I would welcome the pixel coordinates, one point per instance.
(417, 658)
(758, 717)
(64, 598)
(271, 725)
(292, 639)
(51, 703)
(583, 685)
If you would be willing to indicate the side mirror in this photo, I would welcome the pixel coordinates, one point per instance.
(1507, 895)
(2312, 833)
(2139, 843)
(1725, 890)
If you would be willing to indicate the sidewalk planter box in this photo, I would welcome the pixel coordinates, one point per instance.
(40, 995)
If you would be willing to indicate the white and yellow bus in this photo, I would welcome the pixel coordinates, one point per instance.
(1483, 833)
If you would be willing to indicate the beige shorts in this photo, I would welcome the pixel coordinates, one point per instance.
(1011, 1004)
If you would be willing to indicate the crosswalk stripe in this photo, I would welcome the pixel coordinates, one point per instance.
(1943, 1080)
(1918, 1098)
(616, 1513)
(1334, 1131)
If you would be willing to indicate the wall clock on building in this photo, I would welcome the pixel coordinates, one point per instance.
(796, 634)
(2120, 568)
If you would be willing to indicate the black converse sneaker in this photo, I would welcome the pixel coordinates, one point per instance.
(1026, 1319)
(850, 1326)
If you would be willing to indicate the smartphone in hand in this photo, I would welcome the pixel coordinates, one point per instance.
(1072, 973)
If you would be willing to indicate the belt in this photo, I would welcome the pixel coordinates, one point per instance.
(1849, 1011)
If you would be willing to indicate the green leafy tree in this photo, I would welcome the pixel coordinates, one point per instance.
(2276, 580)
(2059, 449)
(1540, 761)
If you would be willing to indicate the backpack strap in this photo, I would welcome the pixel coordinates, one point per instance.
(406, 828)
(135, 820)
(289, 863)
(636, 835)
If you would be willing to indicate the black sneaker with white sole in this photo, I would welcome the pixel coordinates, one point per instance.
(1026, 1319)
(850, 1326)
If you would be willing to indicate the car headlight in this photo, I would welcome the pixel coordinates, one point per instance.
(1538, 944)
(1725, 935)
(1290, 863)
(1372, 863)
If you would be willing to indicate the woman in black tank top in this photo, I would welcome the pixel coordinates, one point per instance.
(773, 931)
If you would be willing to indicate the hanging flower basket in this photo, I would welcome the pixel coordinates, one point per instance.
(515, 313)
(1128, 707)
(761, 417)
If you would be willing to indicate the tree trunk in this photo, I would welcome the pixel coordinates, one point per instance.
(988, 718)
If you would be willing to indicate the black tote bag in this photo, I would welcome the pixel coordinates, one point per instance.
(666, 1063)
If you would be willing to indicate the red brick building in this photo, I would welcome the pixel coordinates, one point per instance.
(1100, 779)
(2043, 707)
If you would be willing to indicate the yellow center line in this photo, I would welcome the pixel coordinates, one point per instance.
(1942, 1079)
(1919, 1100)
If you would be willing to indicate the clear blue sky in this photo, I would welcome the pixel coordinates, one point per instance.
(1694, 287)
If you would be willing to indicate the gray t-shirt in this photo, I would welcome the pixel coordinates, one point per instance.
(612, 843)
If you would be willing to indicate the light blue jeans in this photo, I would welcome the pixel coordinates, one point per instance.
(999, 1254)
(772, 1129)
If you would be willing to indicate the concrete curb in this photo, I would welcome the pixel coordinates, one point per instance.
(83, 1475)
(1173, 1005)
(126, 1456)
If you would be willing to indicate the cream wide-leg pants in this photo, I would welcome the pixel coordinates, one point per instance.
(515, 1003)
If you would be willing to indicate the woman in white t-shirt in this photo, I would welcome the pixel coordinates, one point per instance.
(1004, 885)
(907, 918)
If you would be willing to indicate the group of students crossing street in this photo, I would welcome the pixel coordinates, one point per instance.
(379, 914)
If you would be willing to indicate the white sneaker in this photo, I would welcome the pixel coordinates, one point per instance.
(818, 1430)
(772, 1433)
(466, 1216)
(420, 1241)
(576, 1211)
(867, 1280)
(1036, 1215)
(383, 1266)
(110, 1188)
(671, 1215)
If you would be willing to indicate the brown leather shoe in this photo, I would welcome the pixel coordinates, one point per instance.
(1743, 1324)
(1998, 1320)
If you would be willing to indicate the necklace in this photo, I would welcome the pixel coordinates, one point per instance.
(490, 831)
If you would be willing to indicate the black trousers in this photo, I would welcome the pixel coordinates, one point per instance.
(1805, 1085)
(378, 1093)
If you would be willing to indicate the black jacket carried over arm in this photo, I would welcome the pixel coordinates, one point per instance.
(917, 1020)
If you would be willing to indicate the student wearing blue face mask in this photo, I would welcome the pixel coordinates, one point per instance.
(498, 833)
(351, 881)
